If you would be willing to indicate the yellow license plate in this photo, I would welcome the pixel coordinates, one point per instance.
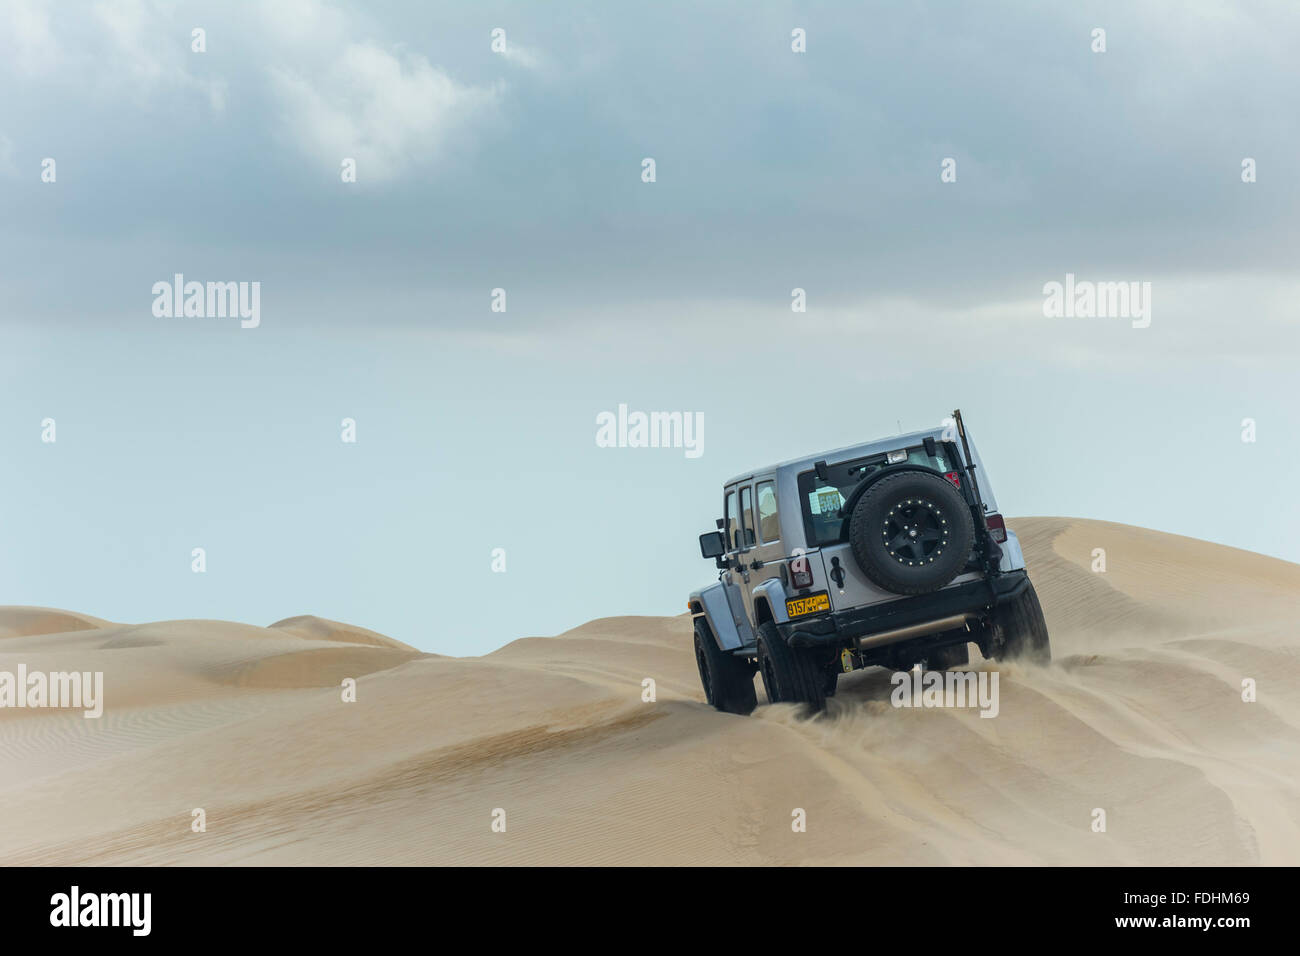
(812, 604)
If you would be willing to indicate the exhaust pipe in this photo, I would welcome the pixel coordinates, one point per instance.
(912, 630)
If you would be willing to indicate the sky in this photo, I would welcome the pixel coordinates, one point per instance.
(521, 169)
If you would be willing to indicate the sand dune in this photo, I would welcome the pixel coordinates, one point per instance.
(1140, 714)
(23, 621)
(321, 629)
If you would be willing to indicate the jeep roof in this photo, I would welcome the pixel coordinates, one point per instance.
(786, 470)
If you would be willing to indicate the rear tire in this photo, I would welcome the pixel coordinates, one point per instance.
(1020, 631)
(791, 675)
(832, 679)
(728, 681)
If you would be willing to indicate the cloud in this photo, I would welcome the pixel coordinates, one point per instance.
(129, 45)
(522, 56)
(153, 51)
(386, 113)
(28, 41)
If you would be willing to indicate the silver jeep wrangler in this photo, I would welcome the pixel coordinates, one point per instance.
(888, 553)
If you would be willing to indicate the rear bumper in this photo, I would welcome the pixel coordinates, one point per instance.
(908, 617)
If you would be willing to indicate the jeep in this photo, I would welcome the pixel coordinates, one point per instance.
(891, 553)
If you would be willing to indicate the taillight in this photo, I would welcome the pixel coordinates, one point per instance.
(997, 527)
(954, 478)
(801, 573)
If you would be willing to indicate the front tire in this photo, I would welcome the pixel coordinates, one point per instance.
(791, 675)
(728, 682)
(1020, 630)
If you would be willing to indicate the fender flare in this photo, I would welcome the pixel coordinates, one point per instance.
(773, 592)
(711, 604)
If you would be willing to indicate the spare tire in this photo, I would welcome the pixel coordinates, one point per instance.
(911, 532)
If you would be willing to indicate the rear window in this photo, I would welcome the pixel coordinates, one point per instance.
(823, 501)
(769, 525)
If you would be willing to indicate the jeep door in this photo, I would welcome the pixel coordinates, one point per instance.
(767, 551)
(734, 579)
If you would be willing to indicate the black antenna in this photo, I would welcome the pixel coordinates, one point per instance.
(970, 470)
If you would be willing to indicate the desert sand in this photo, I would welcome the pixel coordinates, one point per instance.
(1140, 714)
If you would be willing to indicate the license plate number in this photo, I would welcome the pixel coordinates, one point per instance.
(811, 604)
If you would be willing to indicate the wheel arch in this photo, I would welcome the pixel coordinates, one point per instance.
(769, 602)
(709, 605)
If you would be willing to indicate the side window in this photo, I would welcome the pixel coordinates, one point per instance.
(729, 524)
(747, 514)
(769, 528)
